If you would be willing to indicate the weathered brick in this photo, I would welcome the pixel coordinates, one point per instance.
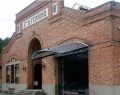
(98, 28)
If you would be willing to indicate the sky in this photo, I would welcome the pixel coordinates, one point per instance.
(9, 9)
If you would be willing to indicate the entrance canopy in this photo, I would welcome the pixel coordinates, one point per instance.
(61, 50)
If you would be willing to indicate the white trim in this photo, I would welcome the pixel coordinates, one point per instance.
(56, 8)
(82, 43)
(12, 63)
(37, 17)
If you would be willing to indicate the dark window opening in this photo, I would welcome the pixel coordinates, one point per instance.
(12, 73)
(73, 74)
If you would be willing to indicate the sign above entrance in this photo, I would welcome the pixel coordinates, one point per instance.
(35, 18)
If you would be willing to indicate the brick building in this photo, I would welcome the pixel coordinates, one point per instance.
(64, 50)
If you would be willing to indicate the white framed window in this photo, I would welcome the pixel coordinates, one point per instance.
(18, 28)
(55, 9)
(12, 72)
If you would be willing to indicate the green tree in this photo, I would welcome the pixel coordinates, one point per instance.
(3, 43)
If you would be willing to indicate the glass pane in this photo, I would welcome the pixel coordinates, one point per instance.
(8, 74)
(8, 70)
(17, 73)
(55, 8)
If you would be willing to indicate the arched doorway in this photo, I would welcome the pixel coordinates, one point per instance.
(34, 66)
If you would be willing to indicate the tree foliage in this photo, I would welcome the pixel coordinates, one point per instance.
(3, 43)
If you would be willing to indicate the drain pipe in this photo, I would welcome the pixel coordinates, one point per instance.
(110, 19)
(112, 3)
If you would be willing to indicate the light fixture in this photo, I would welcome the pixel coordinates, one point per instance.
(43, 65)
(119, 27)
(24, 68)
(33, 32)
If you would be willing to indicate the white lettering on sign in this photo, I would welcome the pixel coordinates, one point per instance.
(35, 18)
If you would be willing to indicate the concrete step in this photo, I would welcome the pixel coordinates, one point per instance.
(31, 92)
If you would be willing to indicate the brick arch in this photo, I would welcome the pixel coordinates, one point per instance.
(32, 37)
(13, 58)
(34, 45)
(73, 39)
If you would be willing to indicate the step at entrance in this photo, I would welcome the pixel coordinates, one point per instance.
(31, 92)
(73, 93)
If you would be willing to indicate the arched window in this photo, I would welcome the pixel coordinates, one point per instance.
(12, 70)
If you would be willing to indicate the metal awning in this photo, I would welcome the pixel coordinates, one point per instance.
(61, 50)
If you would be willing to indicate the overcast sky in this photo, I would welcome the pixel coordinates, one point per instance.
(9, 8)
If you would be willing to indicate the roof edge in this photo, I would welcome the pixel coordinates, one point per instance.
(102, 5)
(92, 8)
(26, 7)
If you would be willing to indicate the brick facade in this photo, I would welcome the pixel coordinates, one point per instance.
(98, 28)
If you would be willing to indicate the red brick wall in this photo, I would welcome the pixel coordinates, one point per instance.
(92, 28)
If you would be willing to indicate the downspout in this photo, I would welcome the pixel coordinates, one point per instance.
(110, 19)
(110, 32)
(111, 40)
